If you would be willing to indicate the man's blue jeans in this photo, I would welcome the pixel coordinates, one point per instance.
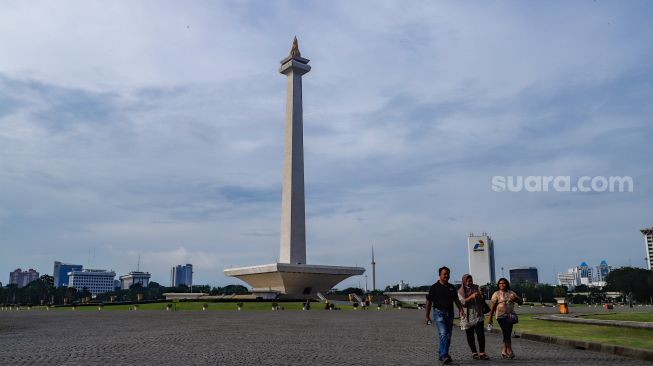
(444, 322)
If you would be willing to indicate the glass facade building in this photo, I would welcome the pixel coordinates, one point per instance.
(181, 275)
(61, 271)
(524, 274)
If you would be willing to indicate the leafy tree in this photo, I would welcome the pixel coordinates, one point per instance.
(202, 288)
(154, 291)
(635, 282)
(230, 289)
(424, 288)
(394, 288)
(560, 291)
(350, 290)
(534, 292)
(580, 299)
(9, 294)
(85, 293)
(581, 288)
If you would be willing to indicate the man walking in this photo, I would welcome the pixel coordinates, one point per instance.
(441, 297)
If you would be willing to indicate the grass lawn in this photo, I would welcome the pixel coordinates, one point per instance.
(185, 306)
(636, 317)
(639, 338)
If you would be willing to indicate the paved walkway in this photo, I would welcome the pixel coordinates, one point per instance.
(65, 337)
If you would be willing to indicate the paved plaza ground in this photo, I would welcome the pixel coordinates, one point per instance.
(317, 337)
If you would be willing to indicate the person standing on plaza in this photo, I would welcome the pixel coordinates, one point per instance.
(441, 297)
(471, 296)
(503, 302)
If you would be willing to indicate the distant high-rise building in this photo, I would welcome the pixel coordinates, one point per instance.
(403, 285)
(97, 281)
(480, 249)
(134, 277)
(602, 271)
(648, 242)
(61, 271)
(181, 275)
(524, 274)
(22, 278)
(585, 273)
(569, 280)
(16, 277)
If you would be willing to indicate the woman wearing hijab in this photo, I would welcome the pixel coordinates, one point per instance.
(503, 302)
(471, 297)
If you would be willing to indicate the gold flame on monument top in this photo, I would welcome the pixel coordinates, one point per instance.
(294, 51)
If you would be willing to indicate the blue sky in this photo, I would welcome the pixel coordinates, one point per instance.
(156, 129)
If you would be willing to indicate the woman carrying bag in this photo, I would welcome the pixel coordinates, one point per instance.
(503, 302)
(472, 299)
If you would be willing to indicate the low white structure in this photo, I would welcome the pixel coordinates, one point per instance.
(417, 298)
(187, 296)
(203, 296)
(97, 281)
(142, 278)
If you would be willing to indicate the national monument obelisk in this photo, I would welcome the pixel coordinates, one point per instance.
(293, 221)
(291, 275)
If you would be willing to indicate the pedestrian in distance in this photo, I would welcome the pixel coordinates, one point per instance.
(442, 296)
(471, 296)
(503, 302)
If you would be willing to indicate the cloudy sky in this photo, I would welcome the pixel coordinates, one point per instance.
(156, 129)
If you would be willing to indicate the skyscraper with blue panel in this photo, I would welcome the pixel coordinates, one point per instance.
(61, 272)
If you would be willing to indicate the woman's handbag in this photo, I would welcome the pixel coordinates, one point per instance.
(513, 318)
(486, 308)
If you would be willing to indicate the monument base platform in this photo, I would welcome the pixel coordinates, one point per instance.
(293, 279)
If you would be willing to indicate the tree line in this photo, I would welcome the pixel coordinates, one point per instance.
(635, 284)
(43, 292)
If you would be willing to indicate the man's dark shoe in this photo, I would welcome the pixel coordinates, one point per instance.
(447, 360)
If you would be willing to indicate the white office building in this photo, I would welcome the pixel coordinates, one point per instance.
(583, 275)
(97, 281)
(569, 280)
(648, 242)
(480, 249)
(602, 271)
(586, 273)
(134, 277)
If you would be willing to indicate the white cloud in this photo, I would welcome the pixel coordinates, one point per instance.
(160, 127)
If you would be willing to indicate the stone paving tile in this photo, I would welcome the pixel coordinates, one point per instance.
(252, 338)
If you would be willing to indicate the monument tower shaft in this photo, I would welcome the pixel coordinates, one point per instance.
(291, 275)
(293, 218)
